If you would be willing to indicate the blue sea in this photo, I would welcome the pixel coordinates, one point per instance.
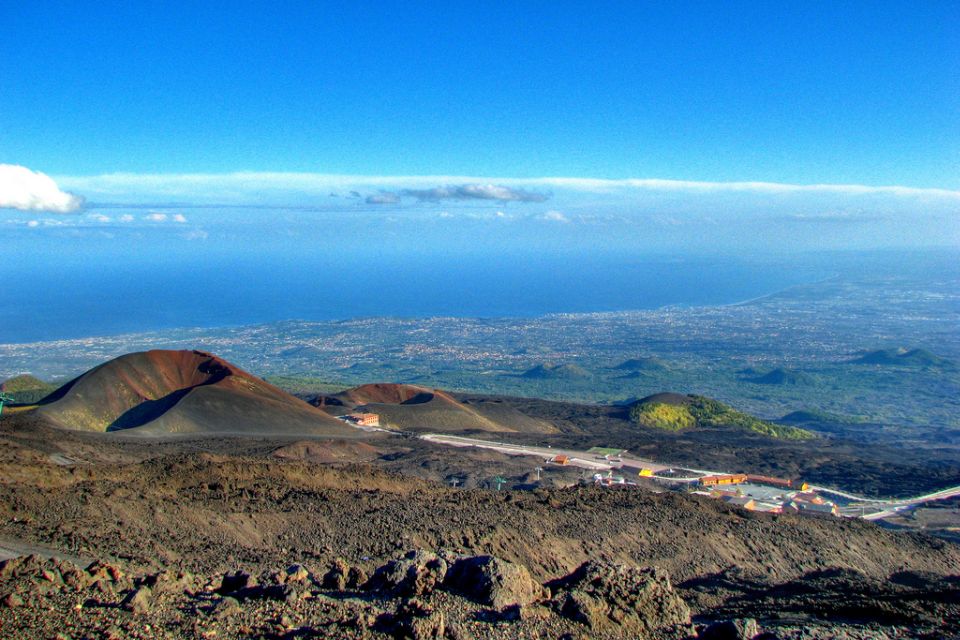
(48, 297)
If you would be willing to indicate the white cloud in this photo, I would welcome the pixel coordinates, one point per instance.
(179, 217)
(126, 218)
(156, 217)
(245, 185)
(384, 197)
(554, 216)
(655, 184)
(488, 191)
(26, 190)
(99, 217)
(33, 223)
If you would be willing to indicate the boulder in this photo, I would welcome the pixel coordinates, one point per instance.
(12, 600)
(356, 577)
(415, 620)
(609, 597)
(235, 581)
(77, 579)
(739, 629)
(103, 571)
(336, 577)
(285, 592)
(493, 582)
(139, 600)
(227, 607)
(297, 573)
(341, 576)
(169, 582)
(417, 573)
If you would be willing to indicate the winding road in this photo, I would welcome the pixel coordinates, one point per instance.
(879, 508)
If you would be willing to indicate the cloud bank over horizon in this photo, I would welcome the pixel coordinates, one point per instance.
(273, 187)
(26, 190)
(500, 193)
(651, 213)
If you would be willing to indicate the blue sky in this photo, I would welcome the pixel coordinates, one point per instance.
(839, 92)
(757, 122)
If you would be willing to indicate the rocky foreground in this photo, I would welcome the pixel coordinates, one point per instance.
(238, 538)
(420, 596)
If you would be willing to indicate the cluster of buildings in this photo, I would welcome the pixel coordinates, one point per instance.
(765, 493)
(747, 491)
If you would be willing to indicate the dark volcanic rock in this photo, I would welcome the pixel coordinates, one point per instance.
(342, 576)
(415, 620)
(336, 577)
(739, 629)
(139, 600)
(494, 582)
(604, 595)
(12, 600)
(227, 607)
(236, 581)
(416, 573)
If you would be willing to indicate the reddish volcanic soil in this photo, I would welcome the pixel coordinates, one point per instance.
(159, 392)
(387, 393)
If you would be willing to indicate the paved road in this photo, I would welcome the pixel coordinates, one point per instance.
(892, 507)
(576, 458)
(880, 508)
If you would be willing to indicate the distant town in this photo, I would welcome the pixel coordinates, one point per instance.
(792, 351)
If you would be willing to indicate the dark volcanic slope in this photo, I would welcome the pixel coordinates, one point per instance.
(876, 470)
(412, 407)
(164, 503)
(244, 503)
(163, 392)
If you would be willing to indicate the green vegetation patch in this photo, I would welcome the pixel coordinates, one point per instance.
(668, 417)
(26, 389)
(643, 364)
(706, 412)
(903, 357)
(305, 384)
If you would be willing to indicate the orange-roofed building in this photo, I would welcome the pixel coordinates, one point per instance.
(713, 481)
(365, 419)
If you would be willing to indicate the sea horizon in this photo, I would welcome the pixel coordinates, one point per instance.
(53, 304)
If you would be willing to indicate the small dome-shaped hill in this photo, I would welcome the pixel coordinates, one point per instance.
(902, 356)
(22, 382)
(666, 397)
(25, 388)
(676, 412)
(387, 393)
(164, 391)
(556, 372)
(817, 417)
(642, 364)
(416, 408)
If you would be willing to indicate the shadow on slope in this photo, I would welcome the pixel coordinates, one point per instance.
(161, 392)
